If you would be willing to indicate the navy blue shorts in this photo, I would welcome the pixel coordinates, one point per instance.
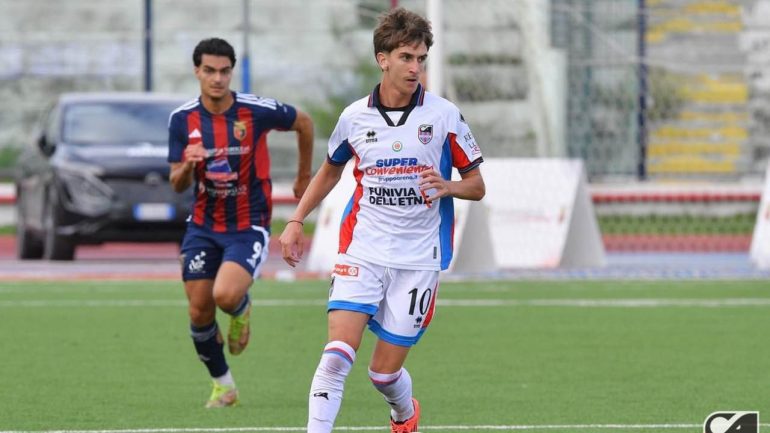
(204, 250)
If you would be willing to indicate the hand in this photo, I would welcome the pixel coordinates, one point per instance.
(300, 185)
(292, 243)
(195, 153)
(431, 179)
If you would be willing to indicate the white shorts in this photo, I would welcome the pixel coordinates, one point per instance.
(400, 301)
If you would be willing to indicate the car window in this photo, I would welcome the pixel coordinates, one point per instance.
(115, 123)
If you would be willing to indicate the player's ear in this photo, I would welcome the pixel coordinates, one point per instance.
(382, 60)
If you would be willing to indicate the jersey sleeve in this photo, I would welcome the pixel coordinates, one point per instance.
(466, 154)
(177, 137)
(276, 115)
(339, 146)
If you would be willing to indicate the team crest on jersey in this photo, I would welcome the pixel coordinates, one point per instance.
(239, 130)
(425, 133)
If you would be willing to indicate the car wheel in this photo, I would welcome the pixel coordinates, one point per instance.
(27, 245)
(55, 246)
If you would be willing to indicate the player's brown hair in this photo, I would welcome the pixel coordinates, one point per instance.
(399, 27)
(214, 47)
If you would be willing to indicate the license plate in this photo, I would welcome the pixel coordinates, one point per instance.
(153, 212)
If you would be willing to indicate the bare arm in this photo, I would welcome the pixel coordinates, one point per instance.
(181, 175)
(323, 182)
(303, 124)
(471, 187)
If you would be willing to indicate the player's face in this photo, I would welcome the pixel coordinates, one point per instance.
(214, 74)
(404, 66)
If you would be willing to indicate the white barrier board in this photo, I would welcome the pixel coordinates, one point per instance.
(760, 240)
(540, 214)
(323, 253)
(536, 214)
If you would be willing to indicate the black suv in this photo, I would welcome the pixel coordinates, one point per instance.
(97, 172)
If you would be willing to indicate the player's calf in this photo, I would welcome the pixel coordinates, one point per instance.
(209, 346)
(328, 385)
(396, 388)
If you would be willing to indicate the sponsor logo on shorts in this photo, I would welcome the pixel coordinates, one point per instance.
(418, 322)
(346, 270)
(197, 263)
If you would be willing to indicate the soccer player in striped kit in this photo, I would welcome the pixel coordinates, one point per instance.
(396, 234)
(217, 144)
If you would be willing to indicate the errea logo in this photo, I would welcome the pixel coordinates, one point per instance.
(371, 136)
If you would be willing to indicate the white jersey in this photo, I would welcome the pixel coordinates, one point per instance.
(388, 221)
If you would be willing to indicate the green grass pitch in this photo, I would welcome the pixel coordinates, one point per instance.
(95, 355)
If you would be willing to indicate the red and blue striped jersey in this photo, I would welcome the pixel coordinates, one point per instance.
(233, 189)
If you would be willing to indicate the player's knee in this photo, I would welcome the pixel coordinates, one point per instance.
(201, 314)
(226, 299)
(334, 367)
(337, 359)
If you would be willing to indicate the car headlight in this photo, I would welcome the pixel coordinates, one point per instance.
(87, 194)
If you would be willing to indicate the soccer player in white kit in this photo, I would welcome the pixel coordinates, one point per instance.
(396, 233)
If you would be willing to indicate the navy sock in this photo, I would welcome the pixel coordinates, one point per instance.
(241, 306)
(208, 343)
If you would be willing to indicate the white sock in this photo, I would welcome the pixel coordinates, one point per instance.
(328, 384)
(226, 379)
(397, 390)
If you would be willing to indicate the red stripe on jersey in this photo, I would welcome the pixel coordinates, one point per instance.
(267, 190)
(459, 158)
(219, 123)
(199, 210)
(346, 231)
(262, 161)
(429, 316)
(262, 157)
(243, 207)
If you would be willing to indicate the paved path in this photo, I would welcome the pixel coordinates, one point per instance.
(122, 261)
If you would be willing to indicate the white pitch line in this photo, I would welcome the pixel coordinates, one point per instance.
(621, 303)
(576, 303)
(438, 428)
